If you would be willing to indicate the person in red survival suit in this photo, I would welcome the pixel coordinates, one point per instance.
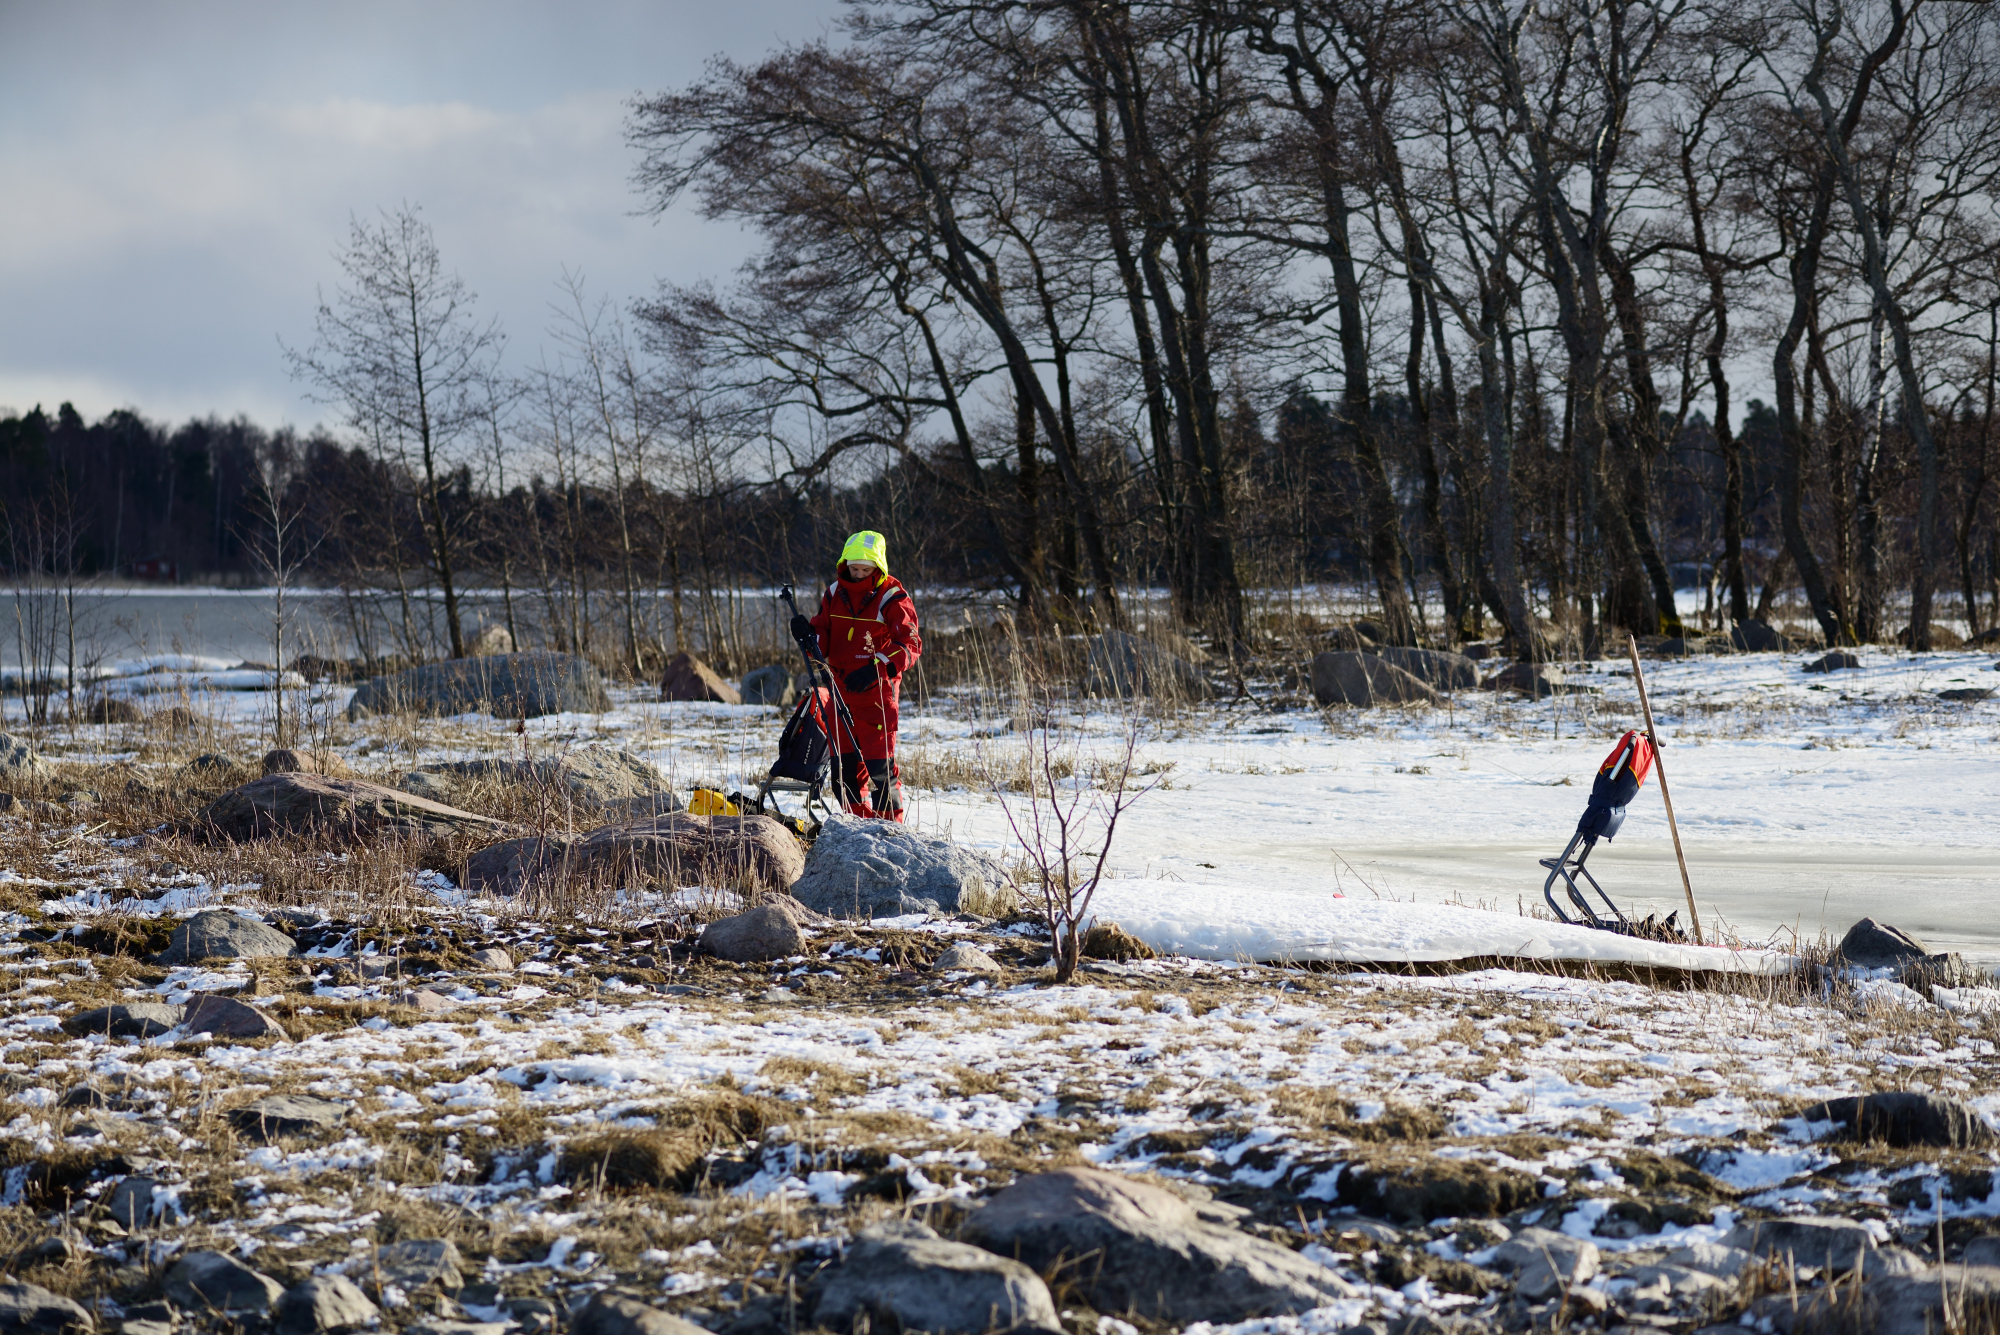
(867, 629)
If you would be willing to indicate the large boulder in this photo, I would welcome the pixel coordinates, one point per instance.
(206, 1283)
(595, 775)
(751, 852)
(688, 678)
(1906, 1119)
(1963, 1298)
(219, 934)
(769, 685)
(900, 1275)
(1151, 1251)
(1942, 637)
(294, 803)
(1118, 664)
(1757, 637)
(1538, 680)
(504, 685)
(226, 1017)
(1433, 667)
(610, 1313)
(861, 868)
(21, 763)
(30, 1309)
(132, 1019)
(1822, 1241)
(1350, 678)
(1875, 945)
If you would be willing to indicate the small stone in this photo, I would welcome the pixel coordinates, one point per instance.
(1545, 1262)
(225, 1018)
(1756, 637)
(286, 1115)
(427, 1001)
(1966, 694)
(205, 1282)
(770, 685)
(492, 960)
(1884, 1262)
(901, 1275)
(286, 760)
(1821, 1241)
(415, 1262)
(132, 1019)
(962, 956)
(1711, 1258)
(30, 1309)
(610, 1313)
(1837, 661)
(325, 1305)
(220, 934)
(766, 932)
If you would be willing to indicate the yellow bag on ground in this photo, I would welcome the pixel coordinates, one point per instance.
(708, 802)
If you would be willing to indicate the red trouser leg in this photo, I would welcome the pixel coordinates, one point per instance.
(873, 749)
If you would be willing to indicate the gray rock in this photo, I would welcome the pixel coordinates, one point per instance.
(1913, 1304)
(415, 1262)
(218, 934)
(1966, 694)
(1539, 680)
(492, 960)
(30, 1309)
(1118, 665)
(680, 849)
(325, 1305)
(21, 763)
(1815, 1240)
(596, 776)
(131, 1202)
(205, 1282)
(1756, 637)
(900, 1275)
(1884, 1262)
(688, 678)
(504, 685)
(1837, 661)
(641, 808)
(1874, 945)
(277, 1115)
(294, 803)
(962, 956)
(876, 868)
(1674, 1281)
(1152, 1251)
(1713, 1258)
(610, 1313)
(130, 1019)
(224, 1017)
(771, 685)
(1350, 678)
(1545, 1262)
(766, 932)
(1905, 1119)
(1434, 667)
(425, 999)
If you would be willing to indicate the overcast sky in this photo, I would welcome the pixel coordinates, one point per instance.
(178, 175)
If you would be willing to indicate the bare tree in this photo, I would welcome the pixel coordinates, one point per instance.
(399, 353)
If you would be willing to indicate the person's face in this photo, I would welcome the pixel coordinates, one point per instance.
(861, 569)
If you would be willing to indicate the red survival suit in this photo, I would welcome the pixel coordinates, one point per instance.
(863, 623)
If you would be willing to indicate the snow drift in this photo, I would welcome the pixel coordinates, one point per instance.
(1226, 921)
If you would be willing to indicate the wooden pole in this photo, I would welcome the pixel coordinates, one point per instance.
(1659, 763)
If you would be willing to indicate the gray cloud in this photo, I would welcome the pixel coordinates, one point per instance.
(179, 175)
